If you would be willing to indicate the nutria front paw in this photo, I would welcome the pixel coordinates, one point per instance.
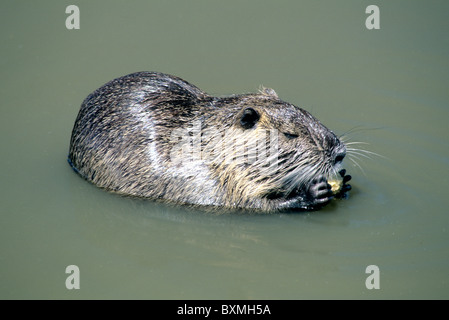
(346, 187)
(320, 192)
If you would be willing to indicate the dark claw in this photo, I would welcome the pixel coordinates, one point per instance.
(346, 187)
(323, 186)
(323, 200)
(320, 191)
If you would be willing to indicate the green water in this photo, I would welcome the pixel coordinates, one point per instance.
(390, 86)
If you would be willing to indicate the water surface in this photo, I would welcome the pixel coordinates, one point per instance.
(389, 87)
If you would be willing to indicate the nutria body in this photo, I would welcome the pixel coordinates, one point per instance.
(156, 136)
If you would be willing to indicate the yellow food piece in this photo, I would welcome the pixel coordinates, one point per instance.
(335, 185)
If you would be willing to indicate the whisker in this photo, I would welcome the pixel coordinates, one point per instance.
(357, 129)
(354, 156)
(352, 130)
(355, 142)
(356, 152)
(356, 163)
(367, 152)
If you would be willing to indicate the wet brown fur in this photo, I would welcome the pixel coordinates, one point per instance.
(122, 141)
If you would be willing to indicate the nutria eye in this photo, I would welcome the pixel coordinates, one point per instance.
(291, 135)
(249, 118)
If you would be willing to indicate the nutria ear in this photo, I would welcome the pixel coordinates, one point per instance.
(249, 118)
(268, 92)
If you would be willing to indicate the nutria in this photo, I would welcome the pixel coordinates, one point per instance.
(156, 136)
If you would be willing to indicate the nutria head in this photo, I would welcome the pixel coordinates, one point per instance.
(273, 153)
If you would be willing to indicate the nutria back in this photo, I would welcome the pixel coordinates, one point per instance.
(156, 136)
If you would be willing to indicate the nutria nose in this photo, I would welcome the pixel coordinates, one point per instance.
(339, 157)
